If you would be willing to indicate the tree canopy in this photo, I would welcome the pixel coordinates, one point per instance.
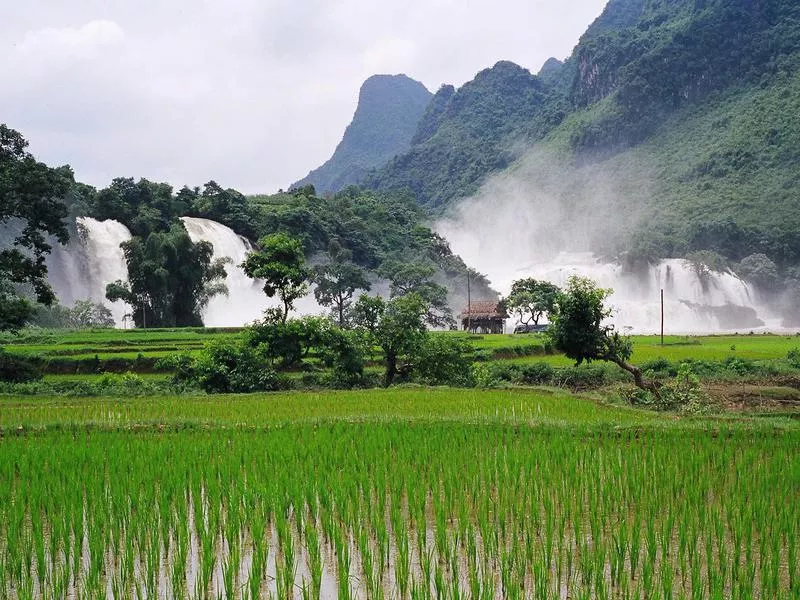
(280, 263)
(531, 299)
(580, 329)
(170, 279)
(31, 205)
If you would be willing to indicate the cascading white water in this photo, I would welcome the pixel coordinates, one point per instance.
(246, 300)
(82, 269)
(693, 303)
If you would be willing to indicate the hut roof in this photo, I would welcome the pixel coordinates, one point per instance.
(483, 309)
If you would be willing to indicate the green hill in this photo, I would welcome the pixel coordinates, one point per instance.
(389, 108)
(672, 123)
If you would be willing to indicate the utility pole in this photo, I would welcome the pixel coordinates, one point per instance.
(662, 316)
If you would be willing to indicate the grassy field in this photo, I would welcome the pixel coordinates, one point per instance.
(400, 493)
(108, 345)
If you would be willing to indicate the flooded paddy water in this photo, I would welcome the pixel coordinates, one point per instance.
(390, 510)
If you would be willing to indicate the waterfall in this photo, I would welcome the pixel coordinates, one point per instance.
(714, 302)
(245, 301)
(81, 270)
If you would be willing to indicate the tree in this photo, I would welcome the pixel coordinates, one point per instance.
(367, 311)
(578, 330)
(416, 278)
(170, 279)
(31, 206)
(401, 332)
(281, 265)
(759, 269)
(84, 314)
(336, 282)
(531, 299)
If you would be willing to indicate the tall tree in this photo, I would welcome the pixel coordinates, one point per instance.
(281, 265)
(401, 332)
(31, 206)
(336, 282)
(417, 278)
(531, 299)
(170, 279)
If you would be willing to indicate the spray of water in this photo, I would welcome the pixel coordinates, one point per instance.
(245, 301)
(543, 220)
(82, 269)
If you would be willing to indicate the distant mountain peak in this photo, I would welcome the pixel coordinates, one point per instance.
(388, 112)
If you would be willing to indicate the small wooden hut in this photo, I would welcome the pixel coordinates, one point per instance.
(483, 316)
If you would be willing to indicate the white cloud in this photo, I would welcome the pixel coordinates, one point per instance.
(251, 93)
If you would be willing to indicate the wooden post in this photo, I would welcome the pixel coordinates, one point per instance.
(662, 316)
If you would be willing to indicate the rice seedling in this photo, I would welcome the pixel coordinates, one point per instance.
(403, 506)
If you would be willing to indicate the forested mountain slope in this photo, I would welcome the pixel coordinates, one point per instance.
(638, 64)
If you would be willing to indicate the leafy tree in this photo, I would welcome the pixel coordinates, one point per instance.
(336, 282)
(232, 367)
(401, 333)
(366, 312)
(281, 265)
(578, 330)
(416, 278)
(531, 299)
(759, 269)
(170, 279)
(84, 314)
(31, 196)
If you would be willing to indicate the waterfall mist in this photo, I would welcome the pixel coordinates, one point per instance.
(82, 269)
(544, 220)
(246, 300)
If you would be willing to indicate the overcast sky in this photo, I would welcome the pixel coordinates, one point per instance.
(250, 93)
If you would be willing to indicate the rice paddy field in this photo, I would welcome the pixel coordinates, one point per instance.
(400, 493)
(137, 350)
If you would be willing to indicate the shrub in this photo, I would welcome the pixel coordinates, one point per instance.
(659, 367)
(685, 393)
(344, 352)
(445, 361)
(228, 367)
(18, 369)
(580, 378)
(538, 373)
(483, 376)
(793, 357)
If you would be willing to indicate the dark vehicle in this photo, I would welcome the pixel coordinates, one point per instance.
(531, 328)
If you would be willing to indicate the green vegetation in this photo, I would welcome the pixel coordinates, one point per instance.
(670, 126)
(430, 493)
(469, 133)
(170, 279)
(30, 210)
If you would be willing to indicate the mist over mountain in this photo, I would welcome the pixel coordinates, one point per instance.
(389, 108)
(669, 132)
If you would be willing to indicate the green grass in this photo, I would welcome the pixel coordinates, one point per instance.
(256, 410)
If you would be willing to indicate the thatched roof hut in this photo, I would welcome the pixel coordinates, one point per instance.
(483, 316)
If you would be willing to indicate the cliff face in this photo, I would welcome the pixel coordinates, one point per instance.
(389, 109)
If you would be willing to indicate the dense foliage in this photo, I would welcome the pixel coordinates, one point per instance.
(580, 329)
(170, 279)
(31, 211)
(469, 133)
